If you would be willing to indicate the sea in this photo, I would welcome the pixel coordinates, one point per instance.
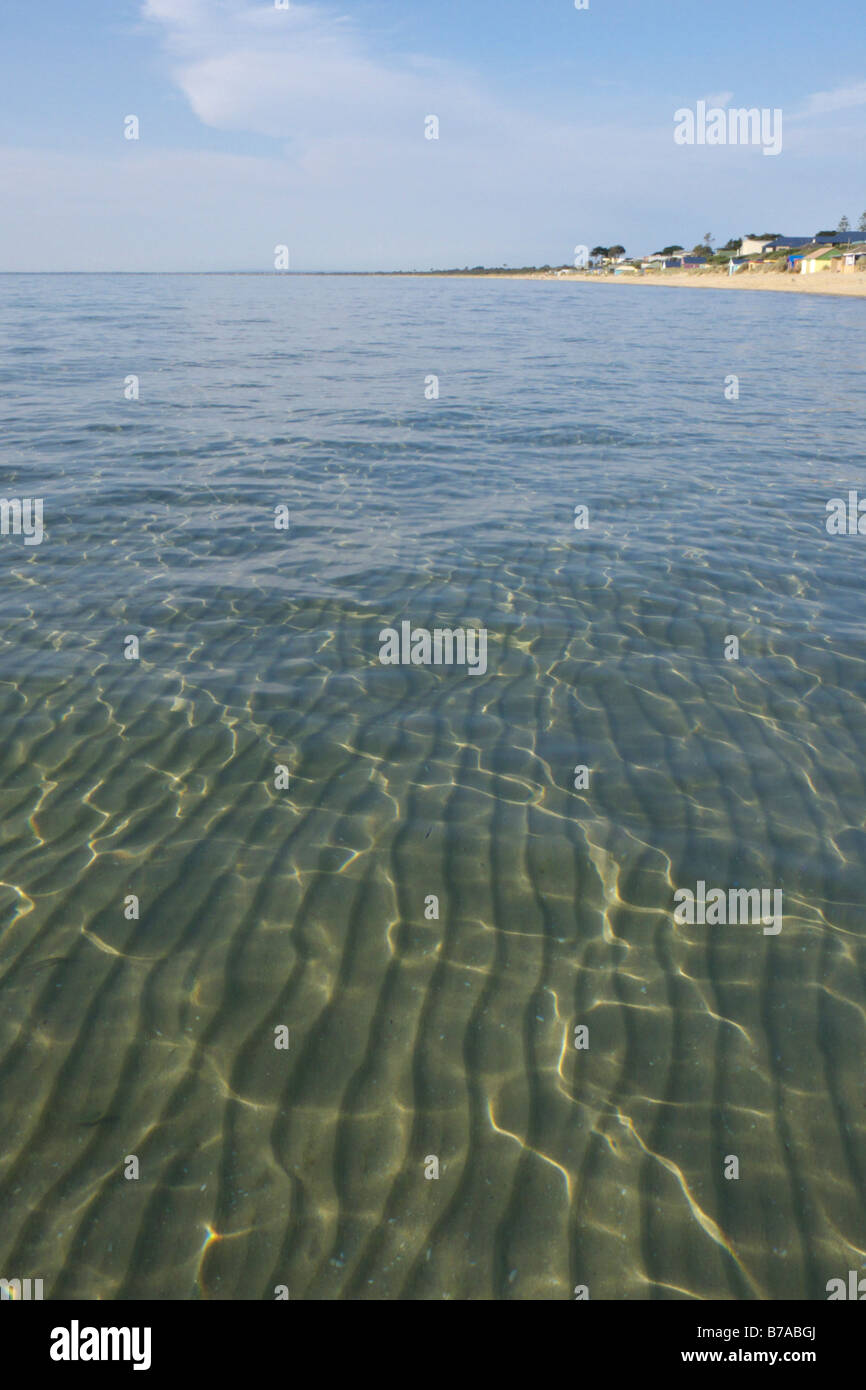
(324, 976)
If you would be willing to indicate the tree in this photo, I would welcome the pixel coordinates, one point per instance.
(616, 251)
(599, 251)
(669, 250)
(844, 224)
(861, 225)
(733, 245)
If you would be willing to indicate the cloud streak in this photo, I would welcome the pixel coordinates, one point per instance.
(842, 99)
(299, 75)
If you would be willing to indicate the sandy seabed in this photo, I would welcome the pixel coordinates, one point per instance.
(415, 1037)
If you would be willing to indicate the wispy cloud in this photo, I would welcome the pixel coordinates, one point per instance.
(303, 74)
(842, 99)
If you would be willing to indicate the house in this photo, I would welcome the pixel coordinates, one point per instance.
(831, 239)
(761, 246)
(673, 263)
(755, 246)
(790, 243)
(838, 239)
(659, 260)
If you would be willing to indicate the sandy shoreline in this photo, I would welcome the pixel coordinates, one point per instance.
(825, 282)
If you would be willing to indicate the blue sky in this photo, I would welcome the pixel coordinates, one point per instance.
(305, 127)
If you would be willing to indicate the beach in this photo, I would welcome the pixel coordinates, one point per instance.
(851, 286)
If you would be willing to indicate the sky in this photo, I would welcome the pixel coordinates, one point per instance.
(304, 127)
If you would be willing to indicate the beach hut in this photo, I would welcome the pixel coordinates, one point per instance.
(853, 257)
(814, 261)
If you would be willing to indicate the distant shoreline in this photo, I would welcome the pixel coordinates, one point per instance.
(832, 283)
(825, 282)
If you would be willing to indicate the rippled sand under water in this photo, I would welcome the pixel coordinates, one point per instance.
(413, 1037)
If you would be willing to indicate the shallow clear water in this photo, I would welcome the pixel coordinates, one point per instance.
(412, 1036)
